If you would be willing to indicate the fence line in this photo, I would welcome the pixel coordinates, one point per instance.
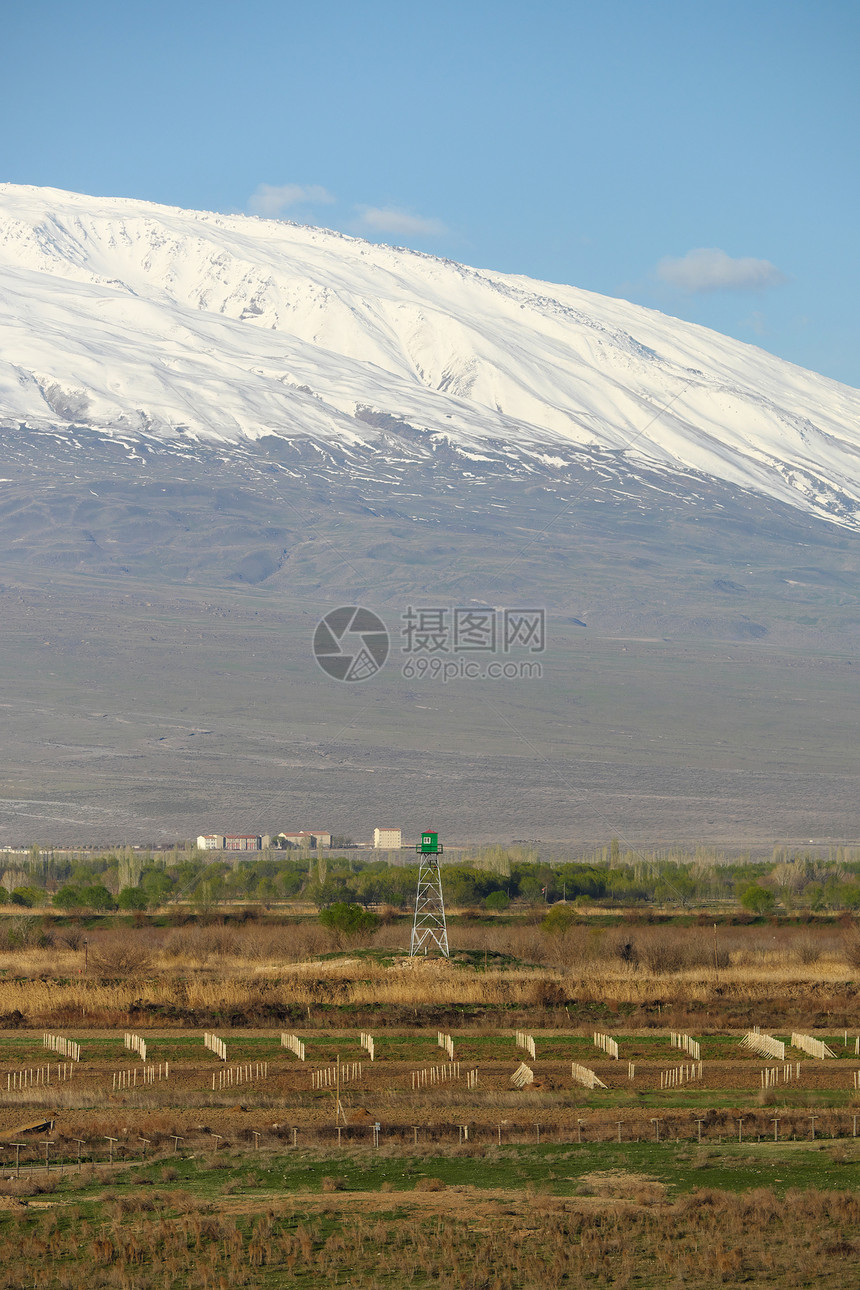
(368, 1044)
(522, 1076)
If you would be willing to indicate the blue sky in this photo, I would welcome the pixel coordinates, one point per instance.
(697, 158)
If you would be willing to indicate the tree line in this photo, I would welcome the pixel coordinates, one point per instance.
(490, 878)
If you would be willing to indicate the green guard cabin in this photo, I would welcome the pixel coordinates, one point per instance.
(429, 845)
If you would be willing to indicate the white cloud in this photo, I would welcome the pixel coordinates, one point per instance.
(272, 201)
(385, 220)
(710, 269)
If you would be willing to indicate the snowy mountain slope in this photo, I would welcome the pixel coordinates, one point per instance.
(149, 321)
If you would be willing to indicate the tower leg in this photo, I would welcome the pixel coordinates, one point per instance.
(429, 929)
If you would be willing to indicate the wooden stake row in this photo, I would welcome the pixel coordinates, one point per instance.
(230, 1076)
(35, 1076)
(606, 1044)
(326, 1076)
(215, 1045)
(65, 1047)
(430, 1075)
(149, 1074)
(136, 1043)
(294, 1045)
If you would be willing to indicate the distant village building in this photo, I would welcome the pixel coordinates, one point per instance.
(229, 842)
(388, 839)
(305, 838)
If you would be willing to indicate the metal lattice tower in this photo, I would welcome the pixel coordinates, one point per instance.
(428, 926)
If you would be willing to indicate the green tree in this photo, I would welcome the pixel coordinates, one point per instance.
(757, 899)
(497, 900)
(132, 898)
(531, 889)
(559, 920)
(28, 896)
(97, 896)
(68, 897)
(157, 886)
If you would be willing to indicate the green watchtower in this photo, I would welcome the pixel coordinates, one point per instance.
(428, 925)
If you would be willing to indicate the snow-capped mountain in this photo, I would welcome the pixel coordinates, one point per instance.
(160, 325)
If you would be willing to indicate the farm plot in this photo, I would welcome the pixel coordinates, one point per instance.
(233, 1084)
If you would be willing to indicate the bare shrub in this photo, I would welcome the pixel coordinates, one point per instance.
(24, 932)
(662, 952)
(625, 950)
(330, 1184)
(429, 1184)
(808, 948)
(851, 947)
(120, 956)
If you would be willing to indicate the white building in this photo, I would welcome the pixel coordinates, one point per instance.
(388, 839)
(211, 842)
